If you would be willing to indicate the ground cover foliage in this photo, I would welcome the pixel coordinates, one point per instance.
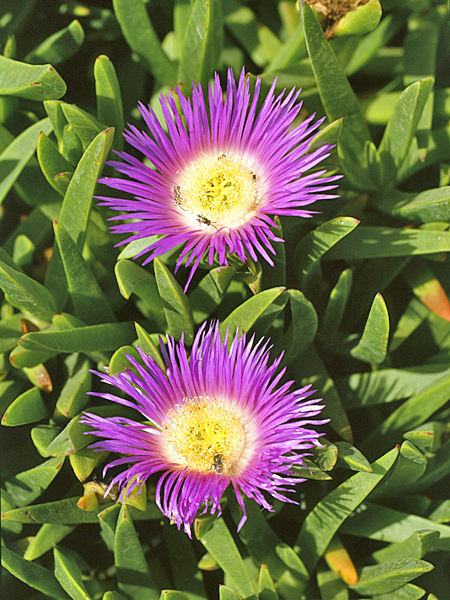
(357, 299)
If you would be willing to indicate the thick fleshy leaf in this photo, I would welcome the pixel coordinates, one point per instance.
(408, 468)
(220, 544)
(245, 316)
(411, 413)
(58, 47)
(66, 511)
(325, 456)
(388, 525)
(336, 305)
(428, 436)
(337, 98)
(437, 468)
(303, 327)
(68, 573)
(373, 242)
(26, 408)
(83, 123)
(131, 567)
(372, 346)
(265, 545)
(17, 153)
(53, 163)
(183, 562)
(109, 99)
(173, 595)
(46, 538)
(76, 208)
(107, 336)
(388, 577)
(33, 82)
(175, 304)
(266, 586)
(208, 294)
(328, 515)
(73, 395)
(42, 436)
(313, 371)
(146, 344)
(388, 385)
(84, 461)
(88, 299)
(26, 293)
(291, 52)
(134, 279)
(369, 45)
(32, 574)
(203, 42)
(141, 37)
(314, 245)
(25, 487)
(416, 546)
(424, 207)
(402, 127)
(352, 458)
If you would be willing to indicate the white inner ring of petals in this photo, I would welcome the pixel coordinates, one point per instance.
(208, 435)
(218, 190)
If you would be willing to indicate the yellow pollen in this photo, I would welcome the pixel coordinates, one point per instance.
(205, 434)
(218, 190)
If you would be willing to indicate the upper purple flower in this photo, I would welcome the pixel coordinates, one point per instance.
(220, 417)
(219, 173)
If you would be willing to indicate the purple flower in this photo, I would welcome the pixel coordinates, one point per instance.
(219, 173)
(220, 417)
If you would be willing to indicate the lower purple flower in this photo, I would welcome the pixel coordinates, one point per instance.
(220, 417)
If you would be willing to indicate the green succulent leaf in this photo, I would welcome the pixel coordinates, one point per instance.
(372, 346)
(88, 299)
(18, 152)
(402, 127)
(132, 571)
(58, 47)
(25, 487)
(33, 82)
(220, 544)
(416, 546)
(388, 577)
(246, 316)
(141, 37)
(175, 303)
(337, 97)
(109, 99)
(33, 574)
(26, 408)
(68, 573)
(325, 518)
(202, 43)
(46, 538)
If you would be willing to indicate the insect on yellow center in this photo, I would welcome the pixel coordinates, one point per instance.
(205, 435)
(218, 190)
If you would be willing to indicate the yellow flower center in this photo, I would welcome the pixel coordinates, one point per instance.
(206, 435)
(218, 190)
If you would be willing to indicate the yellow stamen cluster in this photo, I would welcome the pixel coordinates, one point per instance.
(205, 434)
(218, 190)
